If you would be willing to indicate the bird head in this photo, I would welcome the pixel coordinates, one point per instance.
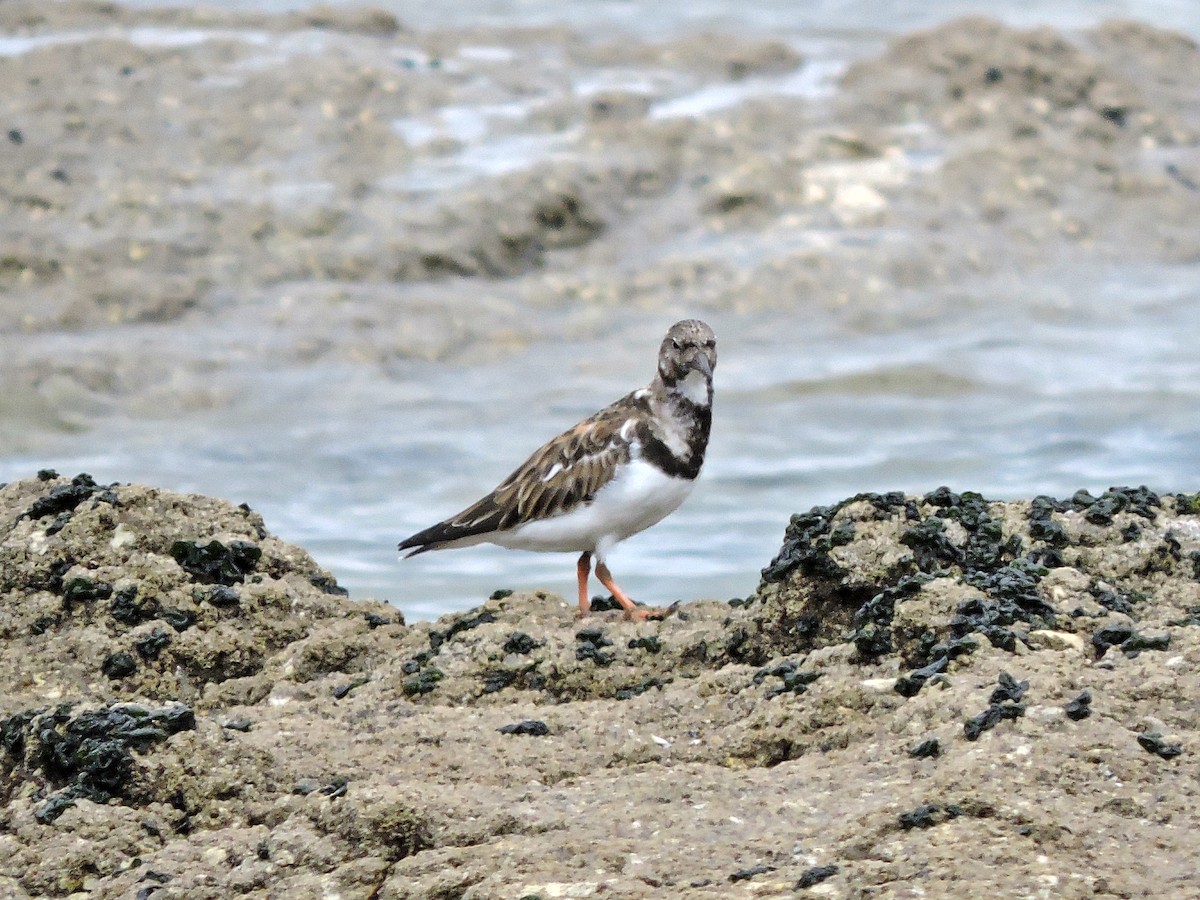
(689, 347)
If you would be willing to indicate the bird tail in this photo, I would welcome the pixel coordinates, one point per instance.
(423, 541)
(483, 518)
(425, 548)
(445, 535)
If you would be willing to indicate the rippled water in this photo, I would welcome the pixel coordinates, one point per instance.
(761, 15)
(1010, 387)
(1085, 385)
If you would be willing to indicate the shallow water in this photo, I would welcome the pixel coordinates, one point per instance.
(1083, 377)
(655, 19)
(1046, 396)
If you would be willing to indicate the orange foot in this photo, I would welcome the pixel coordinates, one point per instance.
(631, 610)
(652, 613)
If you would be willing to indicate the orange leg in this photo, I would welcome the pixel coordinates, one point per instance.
(584, 568)
(632, 610)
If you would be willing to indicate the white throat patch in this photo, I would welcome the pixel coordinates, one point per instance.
(695, 387)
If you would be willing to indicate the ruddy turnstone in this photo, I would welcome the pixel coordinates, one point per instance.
(614, 474)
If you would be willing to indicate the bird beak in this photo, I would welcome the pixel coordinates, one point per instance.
(700, 363)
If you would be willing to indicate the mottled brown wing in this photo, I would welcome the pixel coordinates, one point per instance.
(567, 471)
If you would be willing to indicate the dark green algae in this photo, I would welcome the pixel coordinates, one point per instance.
(989, 560)
(212, 578)
(1006, 567)
(1004, 703)
(213, 562)
(1003, 566)
(86, 754)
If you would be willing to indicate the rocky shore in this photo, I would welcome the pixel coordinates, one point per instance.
(934, 695)
(927, 694)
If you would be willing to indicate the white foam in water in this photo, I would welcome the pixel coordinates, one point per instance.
(810, 80)
(142, 36)
(488, 158)
(467, 124)
(486, 54)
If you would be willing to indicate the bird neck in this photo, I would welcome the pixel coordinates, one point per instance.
(675, 440)
(691, 392)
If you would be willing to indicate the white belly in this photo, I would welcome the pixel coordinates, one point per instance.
(638, 498)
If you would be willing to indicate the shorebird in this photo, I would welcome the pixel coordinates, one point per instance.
(614, 474)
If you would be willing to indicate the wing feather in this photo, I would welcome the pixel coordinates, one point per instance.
(556, 478)
(565, 472)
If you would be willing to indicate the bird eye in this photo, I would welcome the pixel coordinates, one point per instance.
(675, 343)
